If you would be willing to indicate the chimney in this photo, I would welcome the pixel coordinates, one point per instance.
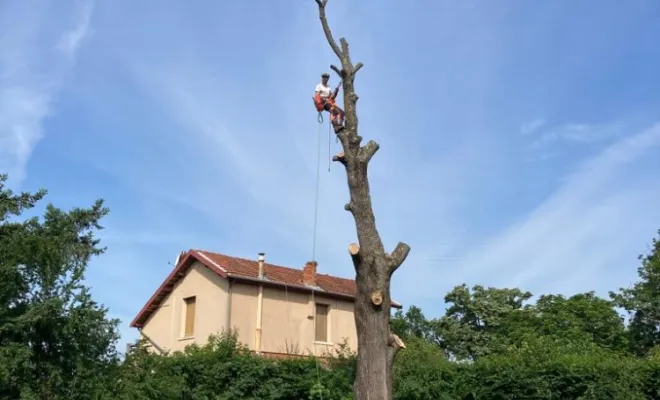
(309, 273)
(261, 265)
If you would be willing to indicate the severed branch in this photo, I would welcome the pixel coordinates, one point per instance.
(368, 151)
(339, 157)
(357, 67)
(395, 344)
(398, 256)
(354, 250)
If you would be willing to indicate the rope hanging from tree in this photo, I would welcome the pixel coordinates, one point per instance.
(316, 199)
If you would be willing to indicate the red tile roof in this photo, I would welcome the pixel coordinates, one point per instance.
(247, 271)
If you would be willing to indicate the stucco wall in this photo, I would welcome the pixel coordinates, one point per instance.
(288, 324)
(166, 325)
(287, 320)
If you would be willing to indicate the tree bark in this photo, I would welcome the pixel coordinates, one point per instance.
(377, 346)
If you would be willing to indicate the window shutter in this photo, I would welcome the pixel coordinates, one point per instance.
(190, 316)
(321, 322)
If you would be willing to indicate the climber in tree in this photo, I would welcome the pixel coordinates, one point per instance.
(324, 99)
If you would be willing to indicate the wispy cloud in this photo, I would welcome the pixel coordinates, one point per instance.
(70, 41)
(31, 73)
(576, 133)
(529, 127)
(584, 234)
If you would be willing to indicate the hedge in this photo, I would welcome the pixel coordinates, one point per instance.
(223, 369)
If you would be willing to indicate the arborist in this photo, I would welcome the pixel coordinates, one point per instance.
(324, 99)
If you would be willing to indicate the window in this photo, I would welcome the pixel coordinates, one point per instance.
(321, 319)
(190, 316)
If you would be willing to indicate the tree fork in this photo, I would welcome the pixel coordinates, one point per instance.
(377, 346)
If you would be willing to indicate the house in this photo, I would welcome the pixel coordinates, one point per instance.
(276, 310)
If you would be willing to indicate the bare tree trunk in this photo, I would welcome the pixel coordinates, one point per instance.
(377, 346)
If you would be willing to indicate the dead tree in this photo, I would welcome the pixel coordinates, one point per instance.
(377, 346)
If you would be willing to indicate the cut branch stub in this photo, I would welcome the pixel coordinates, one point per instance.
(395, 344)
(354, 251)
(395, 341)
(377, 297)
(339, 157)
(398, 256)
(368, 151)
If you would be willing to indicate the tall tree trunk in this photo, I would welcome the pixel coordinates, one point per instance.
(377, 346)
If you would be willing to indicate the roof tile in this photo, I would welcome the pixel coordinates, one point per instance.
(276, 273)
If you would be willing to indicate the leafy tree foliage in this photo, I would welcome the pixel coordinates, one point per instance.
(487, 321)
(477, 322)
(582, 317)
(55, 341)
(642, 302)
(411, 324)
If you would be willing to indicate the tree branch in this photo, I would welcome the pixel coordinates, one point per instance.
(326, 28)
(338, 71)
(368, 151)
(395, 344)
(357, 68)
(398, 256)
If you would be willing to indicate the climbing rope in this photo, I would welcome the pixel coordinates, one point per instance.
(329, 159)
(316, 357)
(316, 200)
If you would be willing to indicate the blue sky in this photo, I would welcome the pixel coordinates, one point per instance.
(517, 138)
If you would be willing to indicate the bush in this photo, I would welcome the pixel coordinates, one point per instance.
(223, 369)
(543, 369)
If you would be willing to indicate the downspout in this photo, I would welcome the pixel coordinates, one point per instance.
(144, 335)
(228, 313)
(260, 301)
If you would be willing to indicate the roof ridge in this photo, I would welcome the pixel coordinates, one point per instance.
(272, 265)
(247, 259)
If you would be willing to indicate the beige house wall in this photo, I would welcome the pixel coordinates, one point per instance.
(287, 319)
(166, 326)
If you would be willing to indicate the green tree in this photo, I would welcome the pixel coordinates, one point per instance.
(55, 340)
(478, 322)
(642, 302)
(584, 317)
(411, 324)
